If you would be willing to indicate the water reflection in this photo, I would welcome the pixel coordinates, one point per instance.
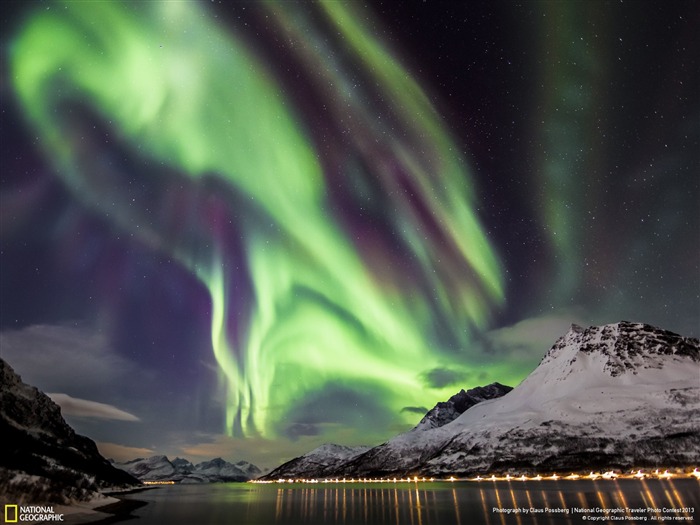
(501, 502)
(491, 503)
(362, 504)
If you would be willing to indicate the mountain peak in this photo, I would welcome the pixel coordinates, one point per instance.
(575, 328)
(215, 461)
(332, 449)
(447, 411)
(622, 347)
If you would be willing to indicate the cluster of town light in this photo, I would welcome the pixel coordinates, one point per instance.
(609, 475)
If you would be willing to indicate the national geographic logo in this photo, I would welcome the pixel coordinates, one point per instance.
(30, 513)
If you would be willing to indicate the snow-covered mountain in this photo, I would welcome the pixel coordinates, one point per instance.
(160, 468)
(322, 461)
(250, 470)
(616, 396)
(155, 468)
(42, 459)
(180, 465)
(330, 459)
(219, 470)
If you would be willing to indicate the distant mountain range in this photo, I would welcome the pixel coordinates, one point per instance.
(42, 459)
(616, 396)
(160, 468)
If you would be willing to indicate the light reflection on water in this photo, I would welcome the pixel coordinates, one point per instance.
(415, 503)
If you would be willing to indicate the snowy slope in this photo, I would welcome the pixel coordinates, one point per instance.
(618, 395)
(219, 470)
(155, 468)
(614, 396)
(250, 470)
(321, 461)
(330, 459)
(609, 373)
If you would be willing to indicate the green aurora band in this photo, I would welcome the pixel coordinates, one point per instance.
(326, 309)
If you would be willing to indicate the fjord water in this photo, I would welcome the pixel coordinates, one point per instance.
(439, 503)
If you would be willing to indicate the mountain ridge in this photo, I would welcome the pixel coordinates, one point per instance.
(447, 411)
(616, 396)
(160, 468)
(321, 461)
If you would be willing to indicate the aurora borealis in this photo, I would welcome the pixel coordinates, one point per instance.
(286, 223)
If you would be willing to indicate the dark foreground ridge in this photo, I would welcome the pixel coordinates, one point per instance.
(42, 459)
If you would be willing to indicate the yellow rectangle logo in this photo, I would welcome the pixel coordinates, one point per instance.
(9, 509)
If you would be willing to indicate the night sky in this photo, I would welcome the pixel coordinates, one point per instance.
(245, 229)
